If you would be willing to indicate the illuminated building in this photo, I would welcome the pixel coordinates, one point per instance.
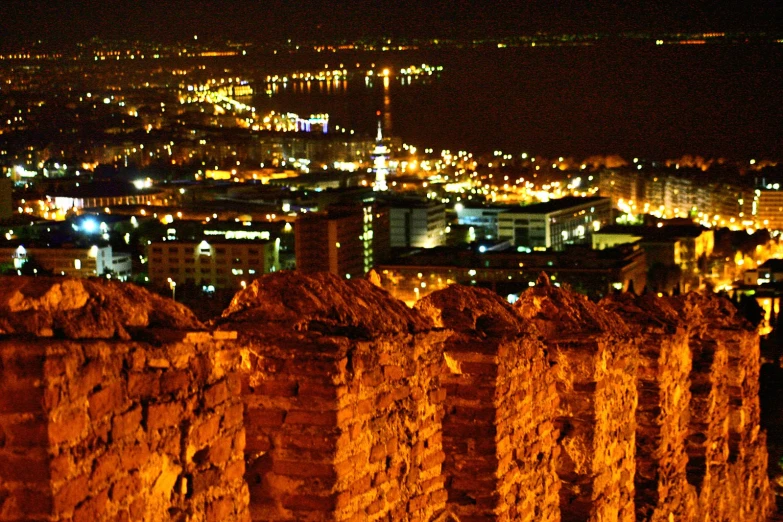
(554, 224)
(621, 185)
(101, 195)
(765, 284)
(380, 156)
(483, 218)
(591, 272)
(216, 264)
(770, 272)
(769, 208)
(344, 240)
(315, 121)
(417, 223)
(684, 246)
(90, 261)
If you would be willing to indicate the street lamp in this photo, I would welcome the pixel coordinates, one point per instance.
(173, 286)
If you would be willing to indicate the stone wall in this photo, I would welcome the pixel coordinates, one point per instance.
(594, 360)
(343, 402)
(319, 399)
(727, 415)
(98, 426)
(498, 432)
(664, 389)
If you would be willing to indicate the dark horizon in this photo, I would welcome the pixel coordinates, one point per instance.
(61, 22)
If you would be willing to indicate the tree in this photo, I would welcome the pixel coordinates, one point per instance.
(750, 309)
(663, 278)
(32, 267)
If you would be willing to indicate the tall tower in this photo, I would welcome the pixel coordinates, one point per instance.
(380, 155)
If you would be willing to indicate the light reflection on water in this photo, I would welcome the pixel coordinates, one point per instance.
(657, 102)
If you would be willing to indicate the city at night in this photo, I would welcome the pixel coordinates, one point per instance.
(267, 261)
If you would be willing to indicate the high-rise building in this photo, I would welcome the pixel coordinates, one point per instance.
(768, 206)
(344, 240)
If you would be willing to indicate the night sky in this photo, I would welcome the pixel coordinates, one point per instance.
(70, 21)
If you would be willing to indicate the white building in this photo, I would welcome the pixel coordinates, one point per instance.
(556, 223)
(417, 224)
(92, 261)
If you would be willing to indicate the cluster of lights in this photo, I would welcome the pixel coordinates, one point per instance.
(334, 75)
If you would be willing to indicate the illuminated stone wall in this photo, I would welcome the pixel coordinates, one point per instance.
(343, 405)
(594, 359)
(727, 451)
(320, 399)
(498, 431)
(664, 390)
(103, 422)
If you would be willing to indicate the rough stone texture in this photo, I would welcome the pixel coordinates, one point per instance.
(69, 308)
(708, 440)
(662, 489)
(343, 403)
(117, 405)
(498, 434)
(726, 444)
(594, 359)
(99, 429)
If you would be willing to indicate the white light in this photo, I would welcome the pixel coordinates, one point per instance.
(89, 226)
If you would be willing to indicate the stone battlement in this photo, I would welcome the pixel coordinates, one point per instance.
(314, 398)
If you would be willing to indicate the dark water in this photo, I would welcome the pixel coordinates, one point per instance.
(635, 100)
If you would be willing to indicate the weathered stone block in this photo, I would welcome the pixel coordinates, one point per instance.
(337, 394)
(100, 443)
(490, 438)
(589, 348)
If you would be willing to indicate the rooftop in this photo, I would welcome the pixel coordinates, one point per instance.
(664, 233)
(775, 265)
(557, 205)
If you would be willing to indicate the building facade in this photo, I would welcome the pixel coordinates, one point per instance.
(769, 209)
(590, 272)
(417, 224)
(554, 224)
(92, 261)
(344, 240)
(217, 264)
